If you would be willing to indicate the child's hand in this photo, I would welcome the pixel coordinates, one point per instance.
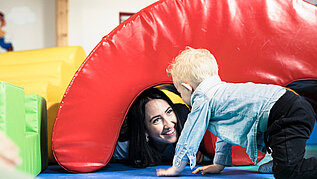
(172, 171)
(9, 152)
(214, 168)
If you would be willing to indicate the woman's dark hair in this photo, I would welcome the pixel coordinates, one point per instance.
(142, 153)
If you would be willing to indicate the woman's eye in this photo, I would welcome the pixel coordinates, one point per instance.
(156, 120)
(170, 111)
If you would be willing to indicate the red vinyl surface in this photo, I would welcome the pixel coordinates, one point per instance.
(264, 41)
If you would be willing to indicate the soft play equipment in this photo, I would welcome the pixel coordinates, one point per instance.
(45, 72)
(23, 119)
(267, 41)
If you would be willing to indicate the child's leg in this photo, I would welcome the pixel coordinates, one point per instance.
(287, 138)
(289, 162)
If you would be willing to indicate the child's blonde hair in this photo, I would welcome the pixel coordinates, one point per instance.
(193, 65)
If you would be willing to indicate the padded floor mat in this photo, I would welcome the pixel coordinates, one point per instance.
(115, 170)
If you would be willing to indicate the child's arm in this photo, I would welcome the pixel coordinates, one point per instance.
(189, 141)
(222, 157)
(223, 153)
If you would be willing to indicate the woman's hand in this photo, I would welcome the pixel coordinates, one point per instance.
(214, 168)
(199, 157)
(172, 171)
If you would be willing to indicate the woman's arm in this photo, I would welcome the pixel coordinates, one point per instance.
(122, 151)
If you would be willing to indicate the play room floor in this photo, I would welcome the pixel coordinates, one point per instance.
(114, 170)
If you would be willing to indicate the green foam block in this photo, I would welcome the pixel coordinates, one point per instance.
(23, 119)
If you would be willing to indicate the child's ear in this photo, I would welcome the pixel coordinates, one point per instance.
(187, 86)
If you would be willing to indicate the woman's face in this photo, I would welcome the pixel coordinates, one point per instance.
(160, 121)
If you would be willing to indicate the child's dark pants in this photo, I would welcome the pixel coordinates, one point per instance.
(290, 124)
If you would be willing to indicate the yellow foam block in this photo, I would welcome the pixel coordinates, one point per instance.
(46, 72)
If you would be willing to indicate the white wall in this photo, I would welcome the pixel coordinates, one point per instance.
(30, 23)
(90, 20)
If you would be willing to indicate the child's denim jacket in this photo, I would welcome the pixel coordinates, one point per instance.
(237, 113)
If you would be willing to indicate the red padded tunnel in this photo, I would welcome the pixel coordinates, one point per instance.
(265, 41)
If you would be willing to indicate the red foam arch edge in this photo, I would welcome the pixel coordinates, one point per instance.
(269, 41)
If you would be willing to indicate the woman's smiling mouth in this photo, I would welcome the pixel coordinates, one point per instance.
(170, 132)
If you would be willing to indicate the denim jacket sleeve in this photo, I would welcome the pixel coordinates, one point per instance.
(191, 135)
(223, 153)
